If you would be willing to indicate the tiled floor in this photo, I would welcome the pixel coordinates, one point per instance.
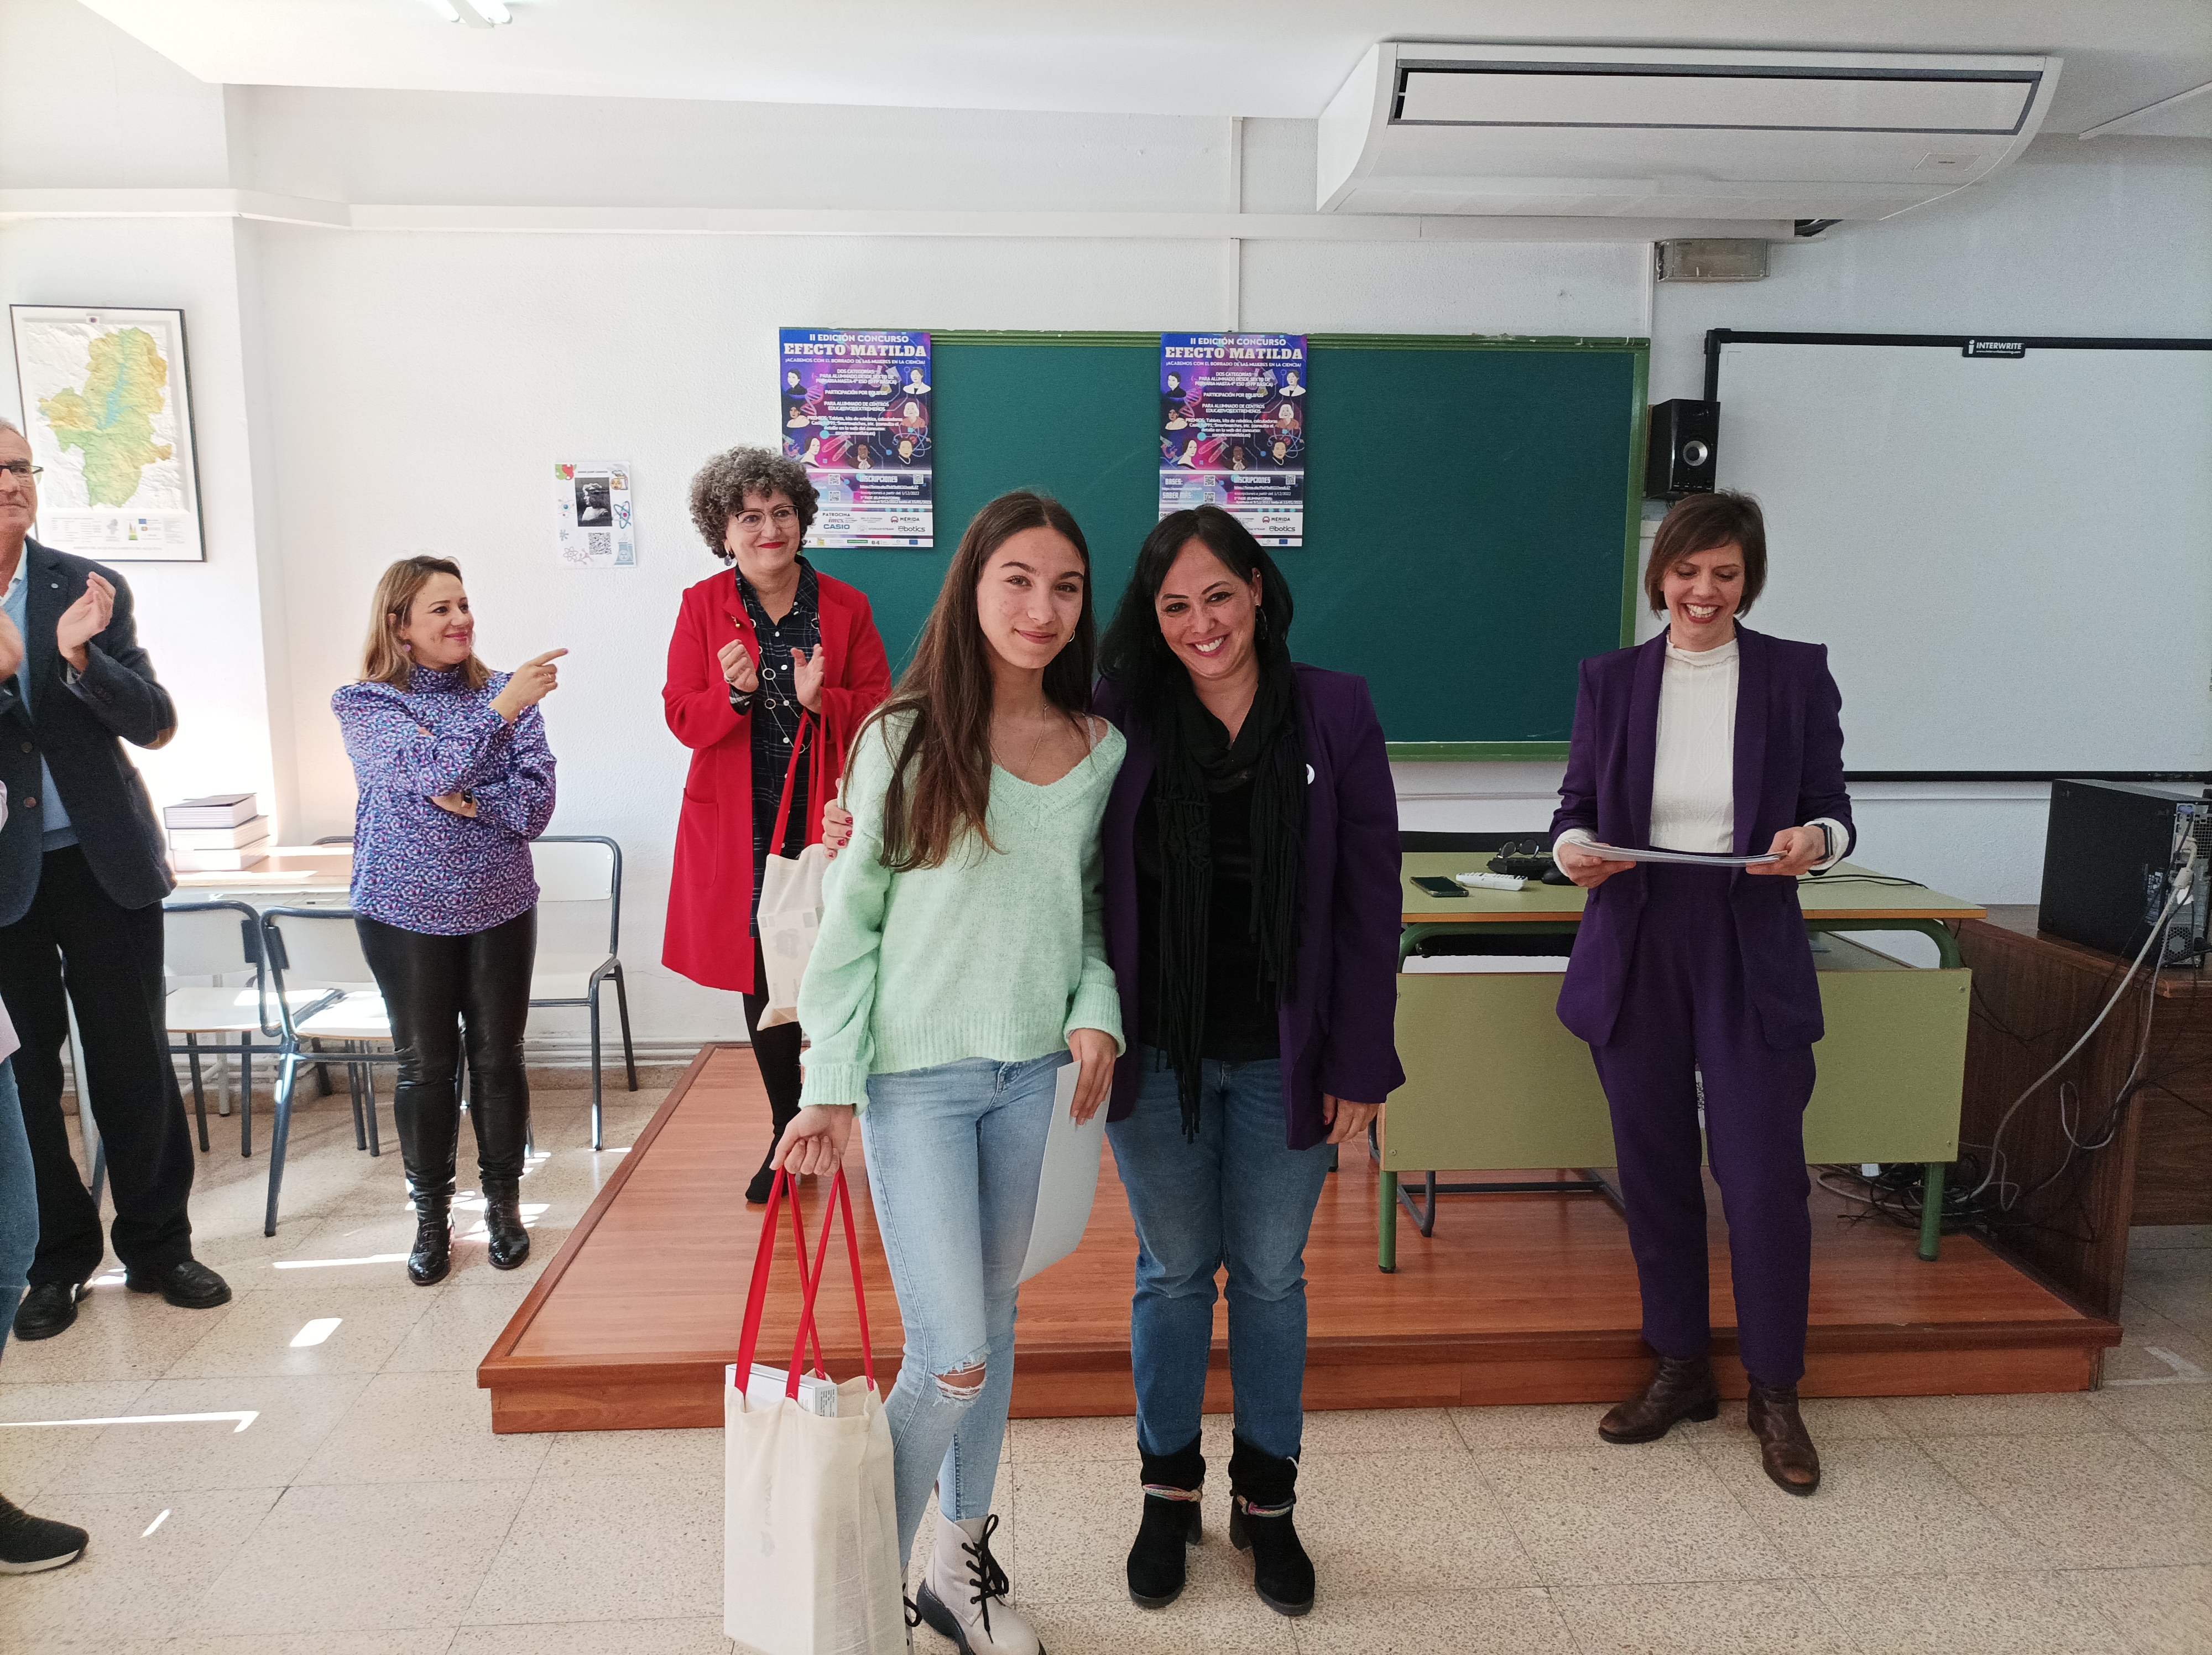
(366, 1508)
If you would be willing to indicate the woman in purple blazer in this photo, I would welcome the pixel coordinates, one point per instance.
(1695, 985)
(1252, 914)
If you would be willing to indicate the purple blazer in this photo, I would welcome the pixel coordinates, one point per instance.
(1789, 770)
(1338, 1035)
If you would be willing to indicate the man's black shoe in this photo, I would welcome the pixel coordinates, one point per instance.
(49, 1310)
(190, 1286)
(28, 1544)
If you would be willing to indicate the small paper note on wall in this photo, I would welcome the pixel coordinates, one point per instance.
(594, 524)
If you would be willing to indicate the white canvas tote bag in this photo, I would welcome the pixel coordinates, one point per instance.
(790, 904)
(810, 1539)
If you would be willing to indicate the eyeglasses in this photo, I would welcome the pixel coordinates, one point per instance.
(21, 469)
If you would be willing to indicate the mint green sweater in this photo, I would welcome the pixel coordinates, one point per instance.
(994, 955)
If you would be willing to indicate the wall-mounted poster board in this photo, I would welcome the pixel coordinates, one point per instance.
(1471, 508)
(108, 414)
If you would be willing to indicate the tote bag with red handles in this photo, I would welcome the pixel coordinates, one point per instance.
(810, 1535)
(790, 901)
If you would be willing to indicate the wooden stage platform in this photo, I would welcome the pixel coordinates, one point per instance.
(1516, 1298)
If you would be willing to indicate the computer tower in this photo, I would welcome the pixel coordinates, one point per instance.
(2110, 856)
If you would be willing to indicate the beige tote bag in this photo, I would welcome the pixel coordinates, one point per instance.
(790, 911)
(809, 1538)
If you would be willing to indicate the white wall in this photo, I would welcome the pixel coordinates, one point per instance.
(205, 625)
(361, 394)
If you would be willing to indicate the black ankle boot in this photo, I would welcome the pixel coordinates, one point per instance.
(433, 1253)
(1171, 1524)
(757, 1192)
(1262, 1490)
(510, 1242)
(782, 1113)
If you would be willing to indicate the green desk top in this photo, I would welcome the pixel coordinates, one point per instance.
(1832, 897)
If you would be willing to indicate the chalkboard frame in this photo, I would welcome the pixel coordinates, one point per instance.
(1632, 466)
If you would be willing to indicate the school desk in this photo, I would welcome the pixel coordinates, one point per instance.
(1493, 1080)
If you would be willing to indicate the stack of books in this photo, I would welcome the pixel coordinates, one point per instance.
(219, 834)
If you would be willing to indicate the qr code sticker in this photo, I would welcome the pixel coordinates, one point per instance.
(598, 546)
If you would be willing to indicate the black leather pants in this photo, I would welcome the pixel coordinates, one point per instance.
(441, 991)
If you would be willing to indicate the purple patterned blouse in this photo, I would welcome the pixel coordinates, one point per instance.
(416, 865)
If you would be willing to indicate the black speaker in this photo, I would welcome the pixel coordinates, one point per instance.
(1685, 433)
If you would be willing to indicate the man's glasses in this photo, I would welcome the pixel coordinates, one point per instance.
(20, 468)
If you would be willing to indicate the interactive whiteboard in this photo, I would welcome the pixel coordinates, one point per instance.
(2009, 557)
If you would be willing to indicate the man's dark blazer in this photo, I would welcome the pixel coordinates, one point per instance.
(1788, 771)
(77, 730)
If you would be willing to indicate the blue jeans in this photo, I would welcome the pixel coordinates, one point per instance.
(954, 1154)
(19, 1201)
(1239, 1196)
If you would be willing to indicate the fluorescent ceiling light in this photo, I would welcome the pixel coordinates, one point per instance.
(493, 11)
(444, 9)
(316, 1331)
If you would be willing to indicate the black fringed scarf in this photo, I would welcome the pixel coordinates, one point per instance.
(1197, 760)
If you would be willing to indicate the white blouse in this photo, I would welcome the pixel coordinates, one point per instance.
(1694, 764)
(1694, 767)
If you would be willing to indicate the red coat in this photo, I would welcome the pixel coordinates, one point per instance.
(710, 892)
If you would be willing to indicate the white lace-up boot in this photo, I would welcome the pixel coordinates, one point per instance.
(964, 1593)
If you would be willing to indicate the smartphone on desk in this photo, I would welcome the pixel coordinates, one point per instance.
(1438, 884)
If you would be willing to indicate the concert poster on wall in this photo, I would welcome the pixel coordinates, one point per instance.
(1233, 429)
(856, 412)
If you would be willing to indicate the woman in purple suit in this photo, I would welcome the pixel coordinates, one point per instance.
(1252, 913)
(1695, 985)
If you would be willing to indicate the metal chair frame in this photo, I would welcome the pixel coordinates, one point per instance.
(610, 971)
(293, 1051)
(252, 957)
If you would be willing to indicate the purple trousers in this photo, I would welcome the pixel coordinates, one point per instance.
(1683, 1014)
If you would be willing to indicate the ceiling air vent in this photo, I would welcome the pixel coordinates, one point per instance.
(1619, 132)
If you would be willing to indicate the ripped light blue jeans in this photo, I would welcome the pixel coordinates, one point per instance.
(954, 1154)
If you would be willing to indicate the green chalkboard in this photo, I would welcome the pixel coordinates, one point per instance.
(1471, 509)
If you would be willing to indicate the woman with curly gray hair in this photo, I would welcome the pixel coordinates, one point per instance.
(771, 670)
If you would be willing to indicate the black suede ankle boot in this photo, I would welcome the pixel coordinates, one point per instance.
(1171, 1524)
(432, 1253)
(1262, 1490)
(510, 1242)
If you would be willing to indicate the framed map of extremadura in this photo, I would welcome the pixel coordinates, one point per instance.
(107, 411)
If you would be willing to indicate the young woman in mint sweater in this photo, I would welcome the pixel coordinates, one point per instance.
(961, 963)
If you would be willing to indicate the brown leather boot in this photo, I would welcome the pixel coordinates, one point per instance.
(1679, 1390)
(1785, 1446)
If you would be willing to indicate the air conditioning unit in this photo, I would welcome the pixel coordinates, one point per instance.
(1631, 132)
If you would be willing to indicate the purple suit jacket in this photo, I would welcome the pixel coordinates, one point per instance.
(1338, 1035)
(1789, 770)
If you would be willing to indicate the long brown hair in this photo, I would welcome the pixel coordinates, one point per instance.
(382, 658)
(947, 693)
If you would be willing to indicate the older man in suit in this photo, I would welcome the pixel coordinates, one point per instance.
(82, 880)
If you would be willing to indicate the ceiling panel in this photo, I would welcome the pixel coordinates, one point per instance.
(1137, 57)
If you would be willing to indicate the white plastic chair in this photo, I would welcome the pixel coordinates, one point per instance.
(581, 869)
